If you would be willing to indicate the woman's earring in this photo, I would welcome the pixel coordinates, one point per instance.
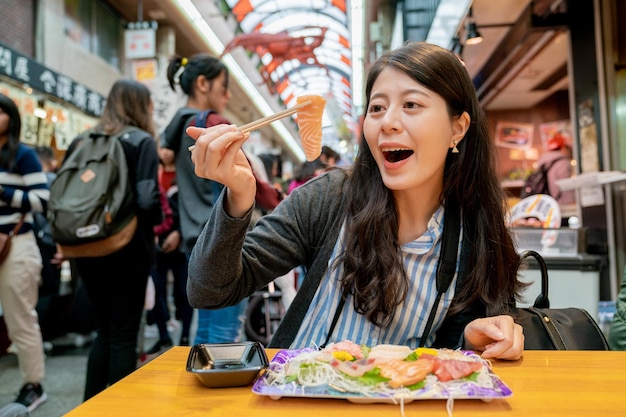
(455, 149)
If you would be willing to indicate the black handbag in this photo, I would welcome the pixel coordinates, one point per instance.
(560, 328)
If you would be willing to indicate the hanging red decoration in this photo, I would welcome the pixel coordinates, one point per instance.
(282, 46)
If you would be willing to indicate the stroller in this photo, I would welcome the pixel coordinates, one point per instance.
(264, 313)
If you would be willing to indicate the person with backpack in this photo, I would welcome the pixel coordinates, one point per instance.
(556, 164)
(116, 283)
(23, 192)
(204, 79)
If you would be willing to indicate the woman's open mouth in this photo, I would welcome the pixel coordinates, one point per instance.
(396, 155)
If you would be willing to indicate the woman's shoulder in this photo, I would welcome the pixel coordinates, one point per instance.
(136, 136)
(550, 157)
(214, 118)
(25, 152)
(333, 178)
(325, 190)
(26, 158)
(24, 149)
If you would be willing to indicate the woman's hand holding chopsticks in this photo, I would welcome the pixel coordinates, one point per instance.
(257, 124)
(218, 156)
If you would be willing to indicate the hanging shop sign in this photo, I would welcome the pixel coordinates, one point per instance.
(140, 40)
(28, 71)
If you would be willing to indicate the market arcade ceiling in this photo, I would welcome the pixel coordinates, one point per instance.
(304, 47)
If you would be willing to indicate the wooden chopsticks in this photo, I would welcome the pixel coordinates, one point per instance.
(257, 124)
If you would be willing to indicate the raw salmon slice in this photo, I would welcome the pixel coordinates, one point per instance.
(404, 373)
(310, 125)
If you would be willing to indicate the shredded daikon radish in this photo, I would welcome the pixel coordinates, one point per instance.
(312, 369)
(450, 406)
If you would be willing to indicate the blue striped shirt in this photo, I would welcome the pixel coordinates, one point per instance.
(25, 190)
(420, 258)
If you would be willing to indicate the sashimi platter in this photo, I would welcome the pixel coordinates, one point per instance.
(383, 373)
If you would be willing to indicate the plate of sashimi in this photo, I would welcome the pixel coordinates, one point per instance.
(382, 373)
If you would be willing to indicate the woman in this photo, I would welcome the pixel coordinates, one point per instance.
(169, 260)
(116, 283)
(23, 192)
(374, 232)
(204, 79)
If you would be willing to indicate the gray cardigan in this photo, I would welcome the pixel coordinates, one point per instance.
(228, 265)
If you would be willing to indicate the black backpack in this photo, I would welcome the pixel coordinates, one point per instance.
(92, 209)
(537, 182)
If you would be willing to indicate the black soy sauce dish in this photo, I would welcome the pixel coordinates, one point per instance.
(227, 364)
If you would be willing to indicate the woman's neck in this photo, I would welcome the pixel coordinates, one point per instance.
(415, 209)
(195, 103)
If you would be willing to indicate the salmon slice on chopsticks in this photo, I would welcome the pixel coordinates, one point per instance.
(309, 109)
(310, 125)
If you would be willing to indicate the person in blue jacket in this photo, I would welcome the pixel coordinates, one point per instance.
(23, 192)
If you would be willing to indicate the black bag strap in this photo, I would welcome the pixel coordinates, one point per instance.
(548, 167)
(542, 300)
(445, 269)
(447, 261)
(338, 311)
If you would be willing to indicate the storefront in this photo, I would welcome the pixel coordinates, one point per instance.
(54, 108)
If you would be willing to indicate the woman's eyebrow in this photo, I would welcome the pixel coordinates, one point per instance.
(417, 91)
(410, 91)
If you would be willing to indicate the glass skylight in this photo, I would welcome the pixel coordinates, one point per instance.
(328, 74)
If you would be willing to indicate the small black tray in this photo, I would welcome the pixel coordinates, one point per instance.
(227, 364)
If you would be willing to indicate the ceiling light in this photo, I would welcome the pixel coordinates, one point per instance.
(40, 113)
(473, 36)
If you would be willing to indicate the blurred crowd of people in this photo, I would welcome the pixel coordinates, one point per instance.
(111, 291)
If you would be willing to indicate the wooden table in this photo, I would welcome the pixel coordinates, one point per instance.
(544, 383)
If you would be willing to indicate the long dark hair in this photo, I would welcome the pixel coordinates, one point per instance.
(197, 65)
(7, 155)
(128, 104)
(373, 267)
